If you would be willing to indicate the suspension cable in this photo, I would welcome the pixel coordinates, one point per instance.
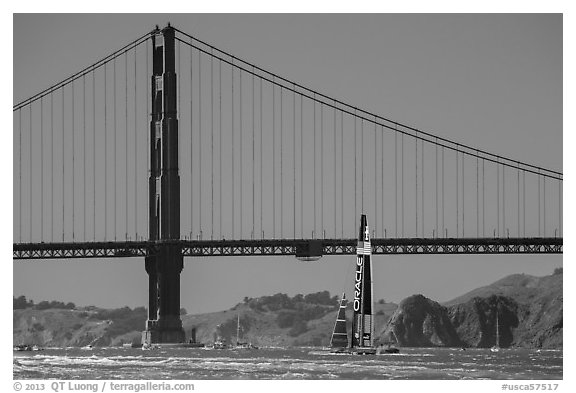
(366, 115)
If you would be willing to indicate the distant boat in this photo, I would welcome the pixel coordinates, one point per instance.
(219, 344)
(496, 347)
(241, 345)
(22, 347)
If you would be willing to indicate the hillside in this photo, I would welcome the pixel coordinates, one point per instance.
(530, 311)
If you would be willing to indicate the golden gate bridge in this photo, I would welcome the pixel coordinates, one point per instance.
(171, 148)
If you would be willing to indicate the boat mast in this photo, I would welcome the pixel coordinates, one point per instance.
(238, 330)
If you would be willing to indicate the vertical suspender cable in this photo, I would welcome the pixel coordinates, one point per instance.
(281, 166)
(41, 169)
(436, 181)
(94, 146)
(20, 174)
(211, 145)
(126, 141)
(301, 166)
(382, 180)
(355, 168)
(220, 142)
(335, 170)
(294, 157)
(192, 143)
(498, 197)
(457, 195)
(342, 174)
(477, 200)
(544, 206)
(559, 208)
(524, 203)
(63, 174)
(51, 169)
(30, 165)
(200, 146)
(463, 198)
(443, 193)
(136, 137)
(504, 200)
(253, 156)
(362, 163)
(518, 193)
(105, 150)
(376, 217)
(402, 185)
(146, 126)
(322, 169)
(314, 157)
(261, 166)
(232, 127)
(273, 159)
(396, 184)
(73, 165)
(84, 149)
(539, 206)
(416, 185)
(422, 189)
(483, 203)
(115, 192)
(241, 166)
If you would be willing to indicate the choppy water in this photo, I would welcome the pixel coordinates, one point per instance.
(276, 363)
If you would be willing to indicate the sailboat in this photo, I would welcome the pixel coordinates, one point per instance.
(363, 320)
(339, 339)
(496, 347)
(241, 345)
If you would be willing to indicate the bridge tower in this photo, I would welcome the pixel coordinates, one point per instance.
(164, 324)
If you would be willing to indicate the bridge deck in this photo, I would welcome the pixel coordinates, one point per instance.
(199, 248)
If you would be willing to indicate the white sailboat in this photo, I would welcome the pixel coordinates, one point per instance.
(241, 345)
(496, 347)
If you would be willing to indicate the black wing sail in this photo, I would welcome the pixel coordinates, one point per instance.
(340, 335)
(363, 324)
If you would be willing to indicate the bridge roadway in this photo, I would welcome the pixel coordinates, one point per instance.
(302, 248)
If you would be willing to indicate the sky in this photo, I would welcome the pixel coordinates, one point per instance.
(490, 81)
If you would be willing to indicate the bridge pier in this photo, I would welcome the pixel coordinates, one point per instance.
(164, 324)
